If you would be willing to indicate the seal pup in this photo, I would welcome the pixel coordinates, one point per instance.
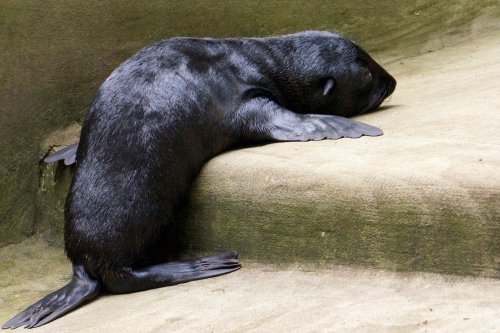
(161, 115)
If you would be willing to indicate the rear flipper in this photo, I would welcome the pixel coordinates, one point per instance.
(81, 288)
(67, 154)
(263, 119)
(131, 280)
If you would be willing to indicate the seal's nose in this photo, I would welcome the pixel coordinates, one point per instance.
(390, 85)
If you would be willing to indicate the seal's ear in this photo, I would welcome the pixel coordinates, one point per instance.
(328, 86)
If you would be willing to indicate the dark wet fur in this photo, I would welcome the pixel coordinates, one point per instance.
(167, 110)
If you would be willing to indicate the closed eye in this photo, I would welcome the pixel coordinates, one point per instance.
(366, 75)
(365, 79)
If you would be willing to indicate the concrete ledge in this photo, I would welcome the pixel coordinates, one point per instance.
(259, 298)
(424, 197)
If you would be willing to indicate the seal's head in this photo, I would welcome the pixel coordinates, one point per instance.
(333, 75)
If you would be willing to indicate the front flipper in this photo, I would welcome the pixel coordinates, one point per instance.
(67, 154)
(318, 127)
(263, 119)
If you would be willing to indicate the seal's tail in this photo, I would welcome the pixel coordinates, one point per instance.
(81, 288)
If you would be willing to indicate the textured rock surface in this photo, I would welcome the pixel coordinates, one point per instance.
(425, 196)
(260, 298)
(55, 54)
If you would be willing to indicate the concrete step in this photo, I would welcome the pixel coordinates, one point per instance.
(259, 298)
(423, 197)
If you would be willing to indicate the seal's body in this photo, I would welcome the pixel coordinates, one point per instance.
(162, 114)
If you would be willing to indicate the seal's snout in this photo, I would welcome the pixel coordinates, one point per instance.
(388, 89)
(384, 89)
(390, 86)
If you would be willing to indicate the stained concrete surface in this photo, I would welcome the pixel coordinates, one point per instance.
(464, 102)
(261, 298)
(425, 196)
(55, 54)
